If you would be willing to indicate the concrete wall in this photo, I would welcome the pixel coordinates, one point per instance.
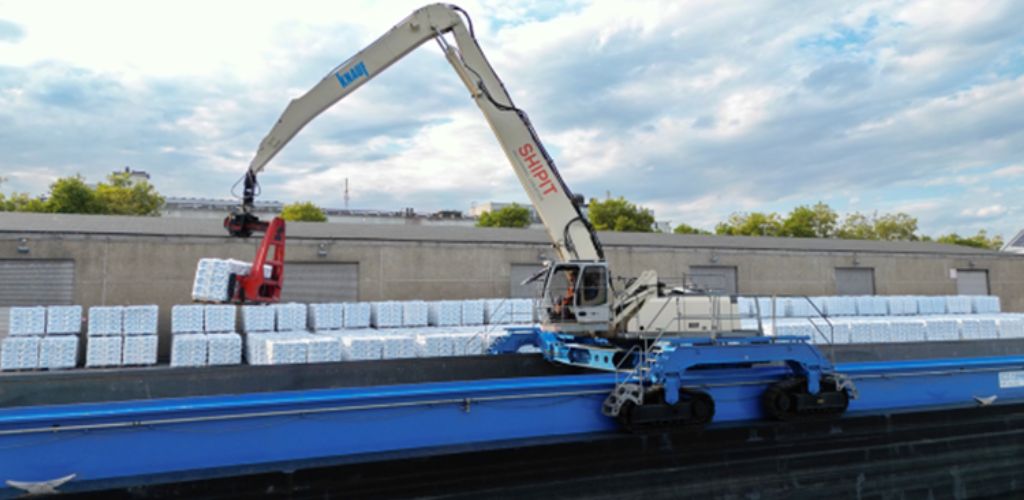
(128, 261)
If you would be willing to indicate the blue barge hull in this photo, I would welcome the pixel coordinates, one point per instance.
(124, 443)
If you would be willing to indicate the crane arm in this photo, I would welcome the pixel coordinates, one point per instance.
(571, 233)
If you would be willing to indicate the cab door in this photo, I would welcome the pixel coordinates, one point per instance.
(592, 294)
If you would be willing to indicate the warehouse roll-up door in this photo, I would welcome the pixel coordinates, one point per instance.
(33, 282)
(520, 272)
(320, 282)
(972, 282)
(714, 279)
(855, 281)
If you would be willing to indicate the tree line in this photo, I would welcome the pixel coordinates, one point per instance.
(805, 221)
(120, 195)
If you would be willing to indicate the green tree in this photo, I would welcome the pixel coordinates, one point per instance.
(120, 196)
(980, 240)
(617, 214)
(818, 221)
(303, 211)
(857, 226)
(898, 226)
(751, 224)
(70, 195)
(514, 215)
(688, 229)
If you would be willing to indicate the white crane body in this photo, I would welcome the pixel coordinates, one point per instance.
(591, 306)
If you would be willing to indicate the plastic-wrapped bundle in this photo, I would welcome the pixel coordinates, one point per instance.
(958, 304)
(840, 306)
(801, 328)
(927, 305)
(258, 318)
(941, 329)
(139, 350)
(223, 349)
(985, 304)
(415, 313)
(497, 312)
(357, 315)
(473, 312)
(323, 349)
(255, 348)
(291, 317)
(64, 320)
(444, 313)
(434, 345)
(469, 344)
(187, 318)
(772, 306)
(1010, 327)
(106, 320)
(398, 346)
(213, 277)
(908, 330)
(141, 320)
(19, 353)
(188, 349)
(840, 333)
(324, 317)
(522, 310)
(27, 321)
(746, 307)
(870, 305)
(361, 347)
(103, 351)
(978, 328)
(58, 351)
(902, 305)
(386, 314)
(219, 318)
(286, 349)
(799, 307)
(862, 332)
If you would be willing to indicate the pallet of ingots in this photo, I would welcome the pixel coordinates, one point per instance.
(259, 318)
(223, 348)
(188, 349)
(977, 328)
(498, 312)
(213, 278)
(1011, 327)
(415, 313)
(35, 342)
(187, 318)
(445, 313)
(958, 304)
(104, 336)
(326, 317)
(387, 314)
(928, 305)
(985, 304)
(473, 312)
(291, 317)
(219, 318)
(941, 329)
(871, 305)
(20, 352)
(357, 315)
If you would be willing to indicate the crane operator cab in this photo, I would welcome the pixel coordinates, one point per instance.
(576, 297)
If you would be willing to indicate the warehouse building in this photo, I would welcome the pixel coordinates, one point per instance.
(97, 260)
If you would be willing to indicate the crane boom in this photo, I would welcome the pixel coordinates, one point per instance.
(571, 233)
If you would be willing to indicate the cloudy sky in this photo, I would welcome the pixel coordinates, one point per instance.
(693, 108)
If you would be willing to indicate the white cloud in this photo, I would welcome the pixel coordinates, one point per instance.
(696, 109)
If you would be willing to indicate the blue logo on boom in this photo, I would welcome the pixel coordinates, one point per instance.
(345, 78)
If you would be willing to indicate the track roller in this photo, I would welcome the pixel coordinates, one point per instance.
(789, 400)
(694, 409)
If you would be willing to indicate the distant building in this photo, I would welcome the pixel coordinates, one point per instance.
(212, 208)
(135, 176)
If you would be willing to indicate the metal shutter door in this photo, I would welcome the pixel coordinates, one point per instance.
(855, 281)
(714, 279)
(320, 282)
(520, 272)
(972, 282)
(36, 282)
